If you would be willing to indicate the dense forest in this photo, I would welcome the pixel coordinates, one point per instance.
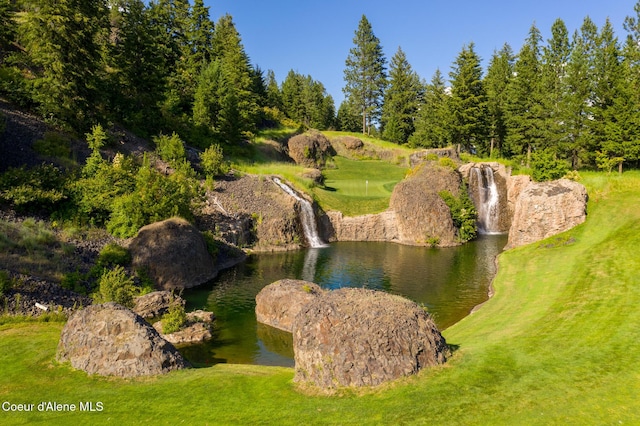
(164, 66)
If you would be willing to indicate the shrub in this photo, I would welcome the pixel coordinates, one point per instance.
(173, 320)
(116, 285)
(431, 157)
(212, 243)
(114, 254)
(463, 213)
(546, 166)
(447, 162)
(33, 190)
(212, 160)
(53, 144)
(6, 282)
(170, 148)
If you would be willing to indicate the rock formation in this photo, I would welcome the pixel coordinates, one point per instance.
(252, 211)
(156, 303)
(174, 253)
(358, 337)
(370, 227)
(198, 328)
(421, 214)
(278, 303)
(310, 149)
(111, 340)
(544, 209)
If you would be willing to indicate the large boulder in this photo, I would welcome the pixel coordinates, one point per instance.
(278, 303)
(421, 214)
(544, 209)
(156, 303)
(359, 337)
(111, 340)
(310, 149)
(174, 254)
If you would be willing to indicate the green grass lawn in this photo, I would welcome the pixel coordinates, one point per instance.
(557, 344)
(357, 187)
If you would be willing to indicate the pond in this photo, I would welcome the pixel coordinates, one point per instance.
(448, 281)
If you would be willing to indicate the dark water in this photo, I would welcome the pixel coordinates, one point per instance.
(449, 282)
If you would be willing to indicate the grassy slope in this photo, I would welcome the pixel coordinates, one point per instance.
(557, 344)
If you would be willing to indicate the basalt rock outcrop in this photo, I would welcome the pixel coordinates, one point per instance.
(111, 340)
(174, 253)
(310, 149)
(156, 303)
(278, 303)
(197, 329)
(359, 337)
(421, 214)
(544, 209)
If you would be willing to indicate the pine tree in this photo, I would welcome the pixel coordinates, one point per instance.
(240, 103)
(62, 42)
(138, 77)
(274, 97)
(576, 106)
(524, 110)
(468, 105)
(401, 100)
(348, 119)
(365, 75)
(553, 68)
(499, 74)
(432, 122)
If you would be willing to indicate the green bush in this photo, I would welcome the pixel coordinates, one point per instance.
(546, 166)
(173, 320)
(212, 160)
(447, 162)
(114, 254)
(41, 188)
(53, 144)
(431, 157)
(170, 148)
(463, 213)
(6, 282)
(115, 285)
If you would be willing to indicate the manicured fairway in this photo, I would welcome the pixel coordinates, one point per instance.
(357, 187)
(557, 344)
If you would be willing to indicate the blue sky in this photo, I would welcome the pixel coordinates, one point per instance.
(314, 37)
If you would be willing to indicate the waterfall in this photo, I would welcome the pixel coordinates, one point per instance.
(307, 216)
(488, 200)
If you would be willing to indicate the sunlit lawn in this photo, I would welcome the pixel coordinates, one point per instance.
(557, 344)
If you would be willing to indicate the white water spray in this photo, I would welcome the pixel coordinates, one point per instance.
(307, 216)
(488, 205)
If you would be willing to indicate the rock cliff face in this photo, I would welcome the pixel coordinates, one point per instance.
(174, 253)
(252, 211)
(278, 303)
(112, 340)
(544, 209)
(359, 337)
(371, 227)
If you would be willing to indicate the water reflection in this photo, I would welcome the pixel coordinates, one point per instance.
(450, 282)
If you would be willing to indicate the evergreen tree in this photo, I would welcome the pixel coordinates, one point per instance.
(274, 97)
(468, 104)
(576, 107)
(524, 110)
(138, 77)
(432, 123)
(401, 100)
(239, 103)
(62, 42)
(496, 81)
(348, 119)
(365, 75)
(7, 26)
(553, 68)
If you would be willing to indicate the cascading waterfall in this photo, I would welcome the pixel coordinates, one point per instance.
(307, 216)
(488, 203)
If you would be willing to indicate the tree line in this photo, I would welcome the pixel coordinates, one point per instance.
(165, 66)
(158, 66)
(575, 98)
